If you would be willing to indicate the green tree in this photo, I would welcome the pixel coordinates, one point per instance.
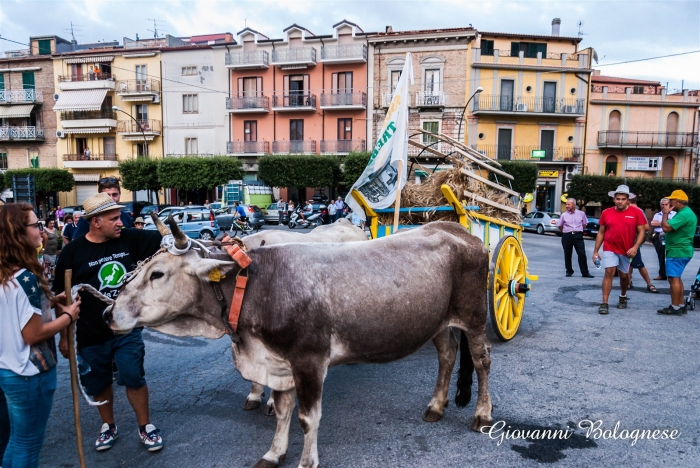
(2, 181)
(140, 174)
(524, 175)
(299, 171)
(192, 173)
(47, 179)
(354, 166)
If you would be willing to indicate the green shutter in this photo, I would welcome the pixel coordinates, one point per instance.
(3, 160)
(45, 47)
(514, 49)
(2, 81)
(28, 80)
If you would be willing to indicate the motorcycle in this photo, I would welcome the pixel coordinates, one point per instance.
(313, 220)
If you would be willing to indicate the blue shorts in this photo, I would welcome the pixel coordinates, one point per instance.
(637, 260)
(675, 266)
(128, 351)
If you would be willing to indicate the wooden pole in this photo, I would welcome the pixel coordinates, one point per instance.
(74, 372)
(397, 204)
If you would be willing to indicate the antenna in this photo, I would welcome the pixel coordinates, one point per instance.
(155, 26)
(580, 31)
(245, 22)
(73, 30)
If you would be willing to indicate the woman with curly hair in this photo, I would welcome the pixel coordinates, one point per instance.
(27, 346)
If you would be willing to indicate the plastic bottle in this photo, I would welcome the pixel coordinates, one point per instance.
(597, 263)
(83, 366)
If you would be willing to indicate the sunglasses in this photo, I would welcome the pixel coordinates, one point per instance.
(111, 180)
(37, 225)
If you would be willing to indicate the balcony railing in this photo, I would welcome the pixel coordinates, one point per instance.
(92, 157)
(294, 55)
(248, 103)
(524, 153)
(430, 99)
(335, 99)
(251, 59)
(86, 77)
(138, 86)
(145, 126)
(647, 139)
(294, 147)
(496, 104)
(341, 146)
(344, 53)
(89, 115)
(247, 147)
(294, 100)
(21, 133)
(20, 95)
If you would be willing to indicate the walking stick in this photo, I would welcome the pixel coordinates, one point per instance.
(74, 371)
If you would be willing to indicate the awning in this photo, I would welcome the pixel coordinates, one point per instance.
(98, 59)
(88, 99)
(88, 130)
(9, 112)
(86, 177)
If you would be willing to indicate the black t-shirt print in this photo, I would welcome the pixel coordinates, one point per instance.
(103, 266)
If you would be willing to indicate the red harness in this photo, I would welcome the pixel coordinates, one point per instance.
(243, 260)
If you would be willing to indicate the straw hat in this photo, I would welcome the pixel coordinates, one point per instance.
(622, 189)
(138, 220)
(99, 203)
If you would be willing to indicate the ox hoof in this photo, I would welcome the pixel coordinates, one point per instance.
(431, 415)
(270, 410)
(480, 422)
(262, 463)
(251, 404)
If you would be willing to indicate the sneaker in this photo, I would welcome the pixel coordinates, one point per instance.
(603, 309)
(150, 437)
(108, 434)
(671, 311)
(622, 302)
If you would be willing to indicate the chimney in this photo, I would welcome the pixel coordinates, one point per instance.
(389, 29)
(556, 23)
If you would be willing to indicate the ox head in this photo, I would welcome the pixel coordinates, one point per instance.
(170, 293)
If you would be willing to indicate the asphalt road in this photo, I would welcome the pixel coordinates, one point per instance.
(567, 364)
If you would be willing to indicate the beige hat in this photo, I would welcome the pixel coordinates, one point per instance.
(138, 220)
(99, 203)
(622, 189)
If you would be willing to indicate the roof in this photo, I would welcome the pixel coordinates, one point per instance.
(298, 27)
(210, 37)
(348, 23)
(252, 31)
(531, 36)
(620, 80)
(85, 99)
(423, 31)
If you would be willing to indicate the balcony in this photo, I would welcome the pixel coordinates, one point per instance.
(387, 96)
(95, 81)
(430, 99)
(342, 146)
(21, 133)
(98, 121)
(138, 130)
(139, 90)
(248, 104)
(294, 147)
(524, 153)
(617, 139)
(248, 60)
(20, 96)
(294, 57)
(350, 53)
(248, 148)
(495, 104)
(95, 161)
(294, 102)
(334, 100)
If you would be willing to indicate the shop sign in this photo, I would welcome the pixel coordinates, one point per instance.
(538, 154)
(641, 163)
(548, 174)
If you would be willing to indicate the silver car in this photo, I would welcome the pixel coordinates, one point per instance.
(541, 222)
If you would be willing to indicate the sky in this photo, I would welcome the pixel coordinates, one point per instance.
(619, 30)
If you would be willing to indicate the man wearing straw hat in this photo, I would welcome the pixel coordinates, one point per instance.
(621, 234)
(679, 247)
(102, 258)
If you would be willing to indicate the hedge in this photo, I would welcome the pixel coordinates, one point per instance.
(47, 179)
(354, 166)
(299, 171)
(193, 172)
(524, 175)
(140, 174)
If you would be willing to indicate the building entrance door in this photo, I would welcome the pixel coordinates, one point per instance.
(545, 198)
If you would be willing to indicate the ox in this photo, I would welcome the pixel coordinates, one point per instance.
(399, 292)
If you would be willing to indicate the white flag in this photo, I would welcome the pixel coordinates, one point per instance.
(378, 183)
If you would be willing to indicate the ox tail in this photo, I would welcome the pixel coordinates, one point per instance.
(465, 373)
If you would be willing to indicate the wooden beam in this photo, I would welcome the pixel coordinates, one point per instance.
(489, 183)
(462, 146)
(491, 202)
(471, 158)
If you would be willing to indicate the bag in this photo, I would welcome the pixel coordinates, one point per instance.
(43, 355)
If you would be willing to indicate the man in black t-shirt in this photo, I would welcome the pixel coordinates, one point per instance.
(102, 258)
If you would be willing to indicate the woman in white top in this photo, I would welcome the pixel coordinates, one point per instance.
(27, 346)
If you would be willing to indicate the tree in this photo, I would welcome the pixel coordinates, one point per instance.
(47, 179)
(2, 181)
(140, 174)
(524, 175)
(354, 166)
(192, 173)
(299, 171)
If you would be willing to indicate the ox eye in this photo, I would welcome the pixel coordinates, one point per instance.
(156, 275)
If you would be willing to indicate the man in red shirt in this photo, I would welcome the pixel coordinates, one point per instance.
(621, 234)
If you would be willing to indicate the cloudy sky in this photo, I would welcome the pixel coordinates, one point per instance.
(619, 30)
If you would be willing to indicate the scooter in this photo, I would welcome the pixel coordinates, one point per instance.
(313, 220)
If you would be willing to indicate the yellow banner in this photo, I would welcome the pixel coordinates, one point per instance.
(548, 174)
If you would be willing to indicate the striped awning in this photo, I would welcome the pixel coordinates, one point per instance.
(9, 112)
(87, 99)
(86, 177)
(88, 130)
(97, 59)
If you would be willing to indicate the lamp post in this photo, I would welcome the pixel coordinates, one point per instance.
(478, 90)
(138, 125)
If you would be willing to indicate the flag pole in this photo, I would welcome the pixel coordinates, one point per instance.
(397, 203)
(74, 371)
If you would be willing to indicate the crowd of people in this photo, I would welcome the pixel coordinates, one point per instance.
(336, 209)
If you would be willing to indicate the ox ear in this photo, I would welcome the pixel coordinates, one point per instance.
(204, 267)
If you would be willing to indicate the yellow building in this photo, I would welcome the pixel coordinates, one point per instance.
(108, 109)
(532, 105)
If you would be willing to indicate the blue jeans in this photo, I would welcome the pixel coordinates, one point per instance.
(4, 424)
(29, 401)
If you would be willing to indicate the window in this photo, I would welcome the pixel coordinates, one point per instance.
(638, 90)
(142, 112)
(189, 71)
(395, 76)
(3, 158)
(250, 130)
(250, 86)
(432, 127)
(110, 146)
(2, 81)
(141, 73)
(33, 156)
(28, 80)
(611, 165)
(191, 146)
(194, 216)
(432, 81)
(45, 47)
(296, 90)
(486, 47)
(190, 104)
(344, 129)
(76, 72)
(341, 82)
(141, 150)
(529, 49)
(296, 129)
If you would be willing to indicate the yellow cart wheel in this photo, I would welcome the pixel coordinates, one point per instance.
(507, 287)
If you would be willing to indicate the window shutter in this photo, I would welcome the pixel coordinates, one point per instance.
(286, 84)
(2, 81)
(348, 82)
(258, 86)
(28, 80)
(240, 87)
(334, 83)
(514, 49)
(306, 84)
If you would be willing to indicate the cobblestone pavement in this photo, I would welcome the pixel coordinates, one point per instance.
(567, 364)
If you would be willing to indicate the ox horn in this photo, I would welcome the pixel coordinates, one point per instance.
(181, 240)
(162, 228)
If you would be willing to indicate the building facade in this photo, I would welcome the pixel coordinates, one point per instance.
(636, 130)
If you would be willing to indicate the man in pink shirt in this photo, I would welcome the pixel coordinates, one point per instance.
(571, 224)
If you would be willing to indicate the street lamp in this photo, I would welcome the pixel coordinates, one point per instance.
(478, 90)
(138, 125)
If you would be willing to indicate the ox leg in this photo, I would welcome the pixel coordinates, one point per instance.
(309, 386)
(481, 356)
(446, 345)
(283, 410)
(253, 399)
(270, 407)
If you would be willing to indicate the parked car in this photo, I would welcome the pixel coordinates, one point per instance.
(541, 222)
(163, 214)
(71, 209)
(216, 206)
(134, 208)
(195, 222)
(256, 217)
(272, 215)
(146, 210)
(591, 229)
